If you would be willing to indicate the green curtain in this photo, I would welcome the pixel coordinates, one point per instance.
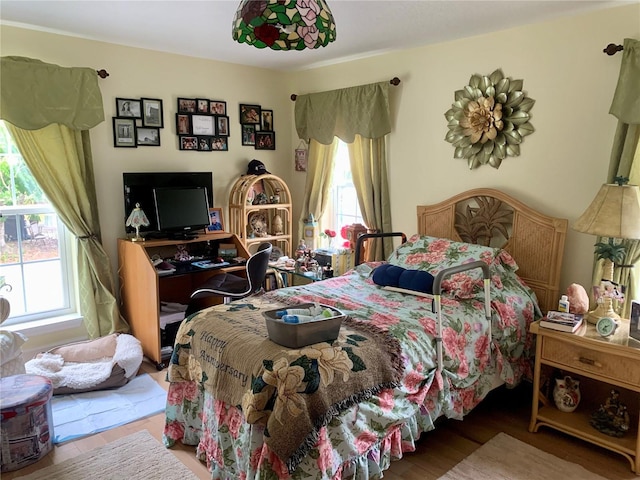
(319, 172)
(624, 161)
(344, 113)
(48, 110)
(369, 170)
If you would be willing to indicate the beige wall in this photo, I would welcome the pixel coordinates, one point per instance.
(561, 165)
(559, 171)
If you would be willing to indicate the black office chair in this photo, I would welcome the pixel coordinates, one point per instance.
(230, 286)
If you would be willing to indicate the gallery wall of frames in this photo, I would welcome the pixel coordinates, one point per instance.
(138, 122)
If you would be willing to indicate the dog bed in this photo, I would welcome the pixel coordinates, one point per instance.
(107, 362)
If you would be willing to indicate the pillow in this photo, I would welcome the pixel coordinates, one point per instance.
(433, 254)
(388, 275)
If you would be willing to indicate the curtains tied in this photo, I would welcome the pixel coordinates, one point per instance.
(36, 94)
(344, 113)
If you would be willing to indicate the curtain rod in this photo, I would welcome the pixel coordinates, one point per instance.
(102, 73)
(612, 49)
(395, 81)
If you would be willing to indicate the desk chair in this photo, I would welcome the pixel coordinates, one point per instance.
(230, 286)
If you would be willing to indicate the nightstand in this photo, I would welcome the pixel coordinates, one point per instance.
(614, 362)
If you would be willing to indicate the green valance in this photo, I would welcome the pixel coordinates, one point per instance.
(626, 100)
(34, 94)
(344, 113)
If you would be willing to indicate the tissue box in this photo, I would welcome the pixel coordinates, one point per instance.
(296, 335)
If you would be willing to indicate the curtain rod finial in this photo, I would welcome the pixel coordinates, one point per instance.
(612, 49)
(395, 81)
(293, 97)
(102, 73)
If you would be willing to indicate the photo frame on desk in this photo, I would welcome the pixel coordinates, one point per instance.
(216, 223)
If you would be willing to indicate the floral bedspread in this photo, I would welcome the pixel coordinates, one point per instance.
(362, 440)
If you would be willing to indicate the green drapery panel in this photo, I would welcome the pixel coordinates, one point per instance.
(319, 172)
(35, 94)
(60, 160)
(368, 158)
(626, 100)
(344, 113)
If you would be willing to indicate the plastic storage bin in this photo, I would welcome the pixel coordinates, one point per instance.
(296, 335)
(26, 422)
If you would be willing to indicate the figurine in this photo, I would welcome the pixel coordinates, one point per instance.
(277, 225)
(566, 394)
(182, 255)
(612, 417)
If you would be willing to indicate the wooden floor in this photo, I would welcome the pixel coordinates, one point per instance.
(437, 452)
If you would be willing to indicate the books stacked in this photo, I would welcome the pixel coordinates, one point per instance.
(562, 321)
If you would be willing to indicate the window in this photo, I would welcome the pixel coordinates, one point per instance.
(34, 257)
(343, 208)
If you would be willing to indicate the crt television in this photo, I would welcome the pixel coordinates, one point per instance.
(181, 211)
(138, 188)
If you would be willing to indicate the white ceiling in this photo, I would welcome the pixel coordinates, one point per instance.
(203, 28)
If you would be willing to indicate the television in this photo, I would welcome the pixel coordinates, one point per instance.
(181, 212)
(138, 188)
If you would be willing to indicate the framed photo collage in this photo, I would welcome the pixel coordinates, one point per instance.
(202, 125)
(257, 127)
(137, 122)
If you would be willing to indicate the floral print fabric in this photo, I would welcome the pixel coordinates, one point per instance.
(361, 442)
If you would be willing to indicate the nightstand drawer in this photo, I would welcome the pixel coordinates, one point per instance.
(615, 367)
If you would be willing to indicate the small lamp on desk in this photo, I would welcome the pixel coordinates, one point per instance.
(615, 214)
(137, 219)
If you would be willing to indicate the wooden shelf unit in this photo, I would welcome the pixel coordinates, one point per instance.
(241, 208)
(142, 289)
(602, 364)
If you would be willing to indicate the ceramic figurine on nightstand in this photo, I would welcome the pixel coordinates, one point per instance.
(566, 394)
(612, 417)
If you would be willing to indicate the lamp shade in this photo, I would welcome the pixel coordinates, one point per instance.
(614, 213)
(284, 24)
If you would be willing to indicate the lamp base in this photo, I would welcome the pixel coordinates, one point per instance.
(137, 238)
(603, 310)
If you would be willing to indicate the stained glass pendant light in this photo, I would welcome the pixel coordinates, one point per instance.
(284, 24)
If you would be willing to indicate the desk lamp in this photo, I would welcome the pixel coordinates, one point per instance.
(137, 219)
(614, 213)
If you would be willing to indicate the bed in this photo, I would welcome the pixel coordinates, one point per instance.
(346, 409)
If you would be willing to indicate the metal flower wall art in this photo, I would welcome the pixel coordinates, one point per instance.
(489, 119)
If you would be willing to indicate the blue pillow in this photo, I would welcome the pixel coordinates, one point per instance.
(388, 275)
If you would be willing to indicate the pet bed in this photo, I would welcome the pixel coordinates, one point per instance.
(107, 362)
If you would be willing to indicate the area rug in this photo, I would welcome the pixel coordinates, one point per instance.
(506, 458)
(138, 456)
(81, 414)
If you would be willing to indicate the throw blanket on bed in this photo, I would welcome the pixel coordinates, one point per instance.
(291, 392)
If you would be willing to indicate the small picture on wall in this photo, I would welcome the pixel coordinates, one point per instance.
(250, 114)
(265, 141)
(204, 144)
(186, 105)
(219, 144)
(149, 137)
(152, 115)
(203, 105)
(215, 217)
(222, 127)
(188, 143)
(217, 107)
(128, 107)
(124, 132)
(267, 120)
(203, 125)
(183, 124)
(248, 135)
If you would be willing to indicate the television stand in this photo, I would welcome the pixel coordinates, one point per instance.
(182, 236)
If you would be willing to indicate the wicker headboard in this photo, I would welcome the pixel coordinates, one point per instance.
(489, 217)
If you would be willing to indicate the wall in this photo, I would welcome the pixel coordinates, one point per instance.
(562, 164)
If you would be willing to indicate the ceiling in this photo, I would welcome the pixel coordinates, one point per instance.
(203, 28)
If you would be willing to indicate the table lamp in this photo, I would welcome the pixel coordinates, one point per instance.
(137, 219)
(614, 213)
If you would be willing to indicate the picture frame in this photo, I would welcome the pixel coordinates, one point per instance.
(248, 135)
(265, 140)
(202, 105)
(187, 142)
(148, 136)
(124, 132)
(204, 144)
(250, 114)
(266, 120)
(216, 222)
(217, 107)
(128, 107)
(183, 124)
(219, 144)
(222, 126)
(186, 105)
(152, 113)
(203, 125)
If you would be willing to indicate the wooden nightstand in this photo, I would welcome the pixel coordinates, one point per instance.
(614, 362)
